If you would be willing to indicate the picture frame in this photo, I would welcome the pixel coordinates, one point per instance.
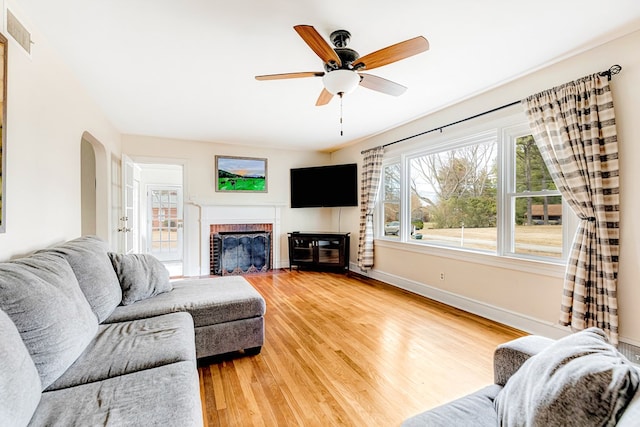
(240, 174)
(3, 133)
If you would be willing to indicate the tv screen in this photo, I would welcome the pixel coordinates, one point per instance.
(324, 186)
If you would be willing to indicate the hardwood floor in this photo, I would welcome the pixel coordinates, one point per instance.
(348, 351)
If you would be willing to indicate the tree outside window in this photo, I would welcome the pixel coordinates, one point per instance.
(453, 193)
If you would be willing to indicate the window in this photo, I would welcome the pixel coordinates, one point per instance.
(453, 197)
(391, 199)
(488, 191)
(536, 202)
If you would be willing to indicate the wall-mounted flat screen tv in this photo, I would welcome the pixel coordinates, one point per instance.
(324, 186)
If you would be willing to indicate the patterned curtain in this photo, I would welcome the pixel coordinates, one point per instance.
(371, 165)
(574, 128)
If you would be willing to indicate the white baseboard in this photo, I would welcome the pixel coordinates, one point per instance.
(506, 317)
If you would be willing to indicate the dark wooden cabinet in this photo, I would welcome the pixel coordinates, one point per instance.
(319, 251)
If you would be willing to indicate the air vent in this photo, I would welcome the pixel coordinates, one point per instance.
(630, 351)
(18, 32)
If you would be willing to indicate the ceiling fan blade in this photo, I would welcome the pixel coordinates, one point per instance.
(324, 98)
(392, 53)
(381, 85)
(291, 75)
(318, 44)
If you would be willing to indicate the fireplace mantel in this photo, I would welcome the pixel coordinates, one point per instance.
(237, 214)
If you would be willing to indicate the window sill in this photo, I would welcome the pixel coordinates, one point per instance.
(546, 268)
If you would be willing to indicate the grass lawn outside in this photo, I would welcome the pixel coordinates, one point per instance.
(538, 240)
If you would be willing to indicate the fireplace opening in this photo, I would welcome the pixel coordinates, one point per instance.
(240, 249)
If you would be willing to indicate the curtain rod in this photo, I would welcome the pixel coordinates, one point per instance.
(613, 70)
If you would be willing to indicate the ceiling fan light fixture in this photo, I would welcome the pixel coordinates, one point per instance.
(341, 81)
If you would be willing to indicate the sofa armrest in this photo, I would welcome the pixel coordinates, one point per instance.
(508, 357)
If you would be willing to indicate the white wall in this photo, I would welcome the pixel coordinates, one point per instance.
(47, 113)
(198, 159)
(526, 299)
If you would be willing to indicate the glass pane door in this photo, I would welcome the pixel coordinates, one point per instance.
(165, 219)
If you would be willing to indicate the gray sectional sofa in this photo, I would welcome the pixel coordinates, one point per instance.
(580, 380)
(93, 338)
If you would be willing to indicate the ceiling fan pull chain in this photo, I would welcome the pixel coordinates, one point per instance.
(341, 132)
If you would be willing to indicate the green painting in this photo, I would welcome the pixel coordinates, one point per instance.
(243, 174)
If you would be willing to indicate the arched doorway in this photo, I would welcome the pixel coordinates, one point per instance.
(94, 187)
(88, 188)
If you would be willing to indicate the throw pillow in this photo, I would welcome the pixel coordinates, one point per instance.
(20, 387)
(141, 276)
(89, 260)
(580, 380)
(42, 297)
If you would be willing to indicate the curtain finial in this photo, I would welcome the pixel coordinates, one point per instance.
(612, 71)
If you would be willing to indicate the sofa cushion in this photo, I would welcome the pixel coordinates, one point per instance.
(123, 348)
(88, 258)
(141, 276)
(168, 395)
(19, 380)
(41, 295)
(210, 301)
(578, 380)
(472, 410)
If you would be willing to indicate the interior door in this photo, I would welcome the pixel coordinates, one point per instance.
(127, 219)
(165, 222)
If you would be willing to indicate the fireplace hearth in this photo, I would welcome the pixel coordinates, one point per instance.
(236, 253)
(240, 248)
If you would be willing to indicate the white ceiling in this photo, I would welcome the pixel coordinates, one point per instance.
(185, 69)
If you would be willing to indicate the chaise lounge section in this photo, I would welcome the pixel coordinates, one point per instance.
(227, 312)
(95, 338)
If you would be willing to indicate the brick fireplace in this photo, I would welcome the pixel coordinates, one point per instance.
(238, 218)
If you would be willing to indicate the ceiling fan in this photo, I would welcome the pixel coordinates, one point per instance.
(343, 66)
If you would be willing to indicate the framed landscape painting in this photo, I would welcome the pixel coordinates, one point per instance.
(3, 133)
(243, 174)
